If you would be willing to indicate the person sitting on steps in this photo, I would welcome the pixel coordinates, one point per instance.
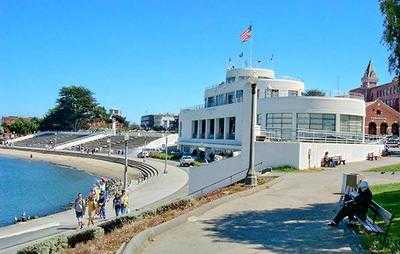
(357, 206)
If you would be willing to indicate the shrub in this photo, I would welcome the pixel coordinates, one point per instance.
(50, 245)
(84, 236)
(112, 224)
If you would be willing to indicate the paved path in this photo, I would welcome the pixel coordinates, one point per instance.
(290, 217)
(153, 190)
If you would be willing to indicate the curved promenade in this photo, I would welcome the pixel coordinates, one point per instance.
(155, 189)
(289, 217)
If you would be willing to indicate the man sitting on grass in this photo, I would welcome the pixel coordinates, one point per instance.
(357, 206)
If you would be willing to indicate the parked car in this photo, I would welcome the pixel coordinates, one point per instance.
(186, 161)
(143, 154)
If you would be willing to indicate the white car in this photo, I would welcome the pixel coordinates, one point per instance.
(186, 161)
(143, 154)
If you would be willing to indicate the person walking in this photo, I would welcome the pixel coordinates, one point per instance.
(117, 203)
(102, 205)
(79, 207)
(92, 206)
(125, 202)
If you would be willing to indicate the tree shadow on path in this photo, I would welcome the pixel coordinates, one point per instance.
(297, 230)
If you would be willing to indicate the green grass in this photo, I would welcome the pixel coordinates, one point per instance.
(388, 196)
(285, 169)
(388, 168)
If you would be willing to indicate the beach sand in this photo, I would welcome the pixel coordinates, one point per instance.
(93, 166)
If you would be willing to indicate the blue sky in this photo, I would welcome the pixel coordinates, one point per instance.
(157, 56)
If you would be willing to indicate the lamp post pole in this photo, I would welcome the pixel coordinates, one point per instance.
(166, 153)
(126, 138)
(109, 146)
(251, 178)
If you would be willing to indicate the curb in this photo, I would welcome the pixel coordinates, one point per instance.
(138, 243)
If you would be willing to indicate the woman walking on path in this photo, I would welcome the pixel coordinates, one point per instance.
(79, 207)
(92, 206)
(117, 202)
(125, 202)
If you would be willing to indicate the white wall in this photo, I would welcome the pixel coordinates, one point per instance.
(213, 172)
(297, 154)
(349, 152)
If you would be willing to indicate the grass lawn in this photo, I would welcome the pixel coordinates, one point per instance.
(290, 169)
(388, 196)
(388, 168)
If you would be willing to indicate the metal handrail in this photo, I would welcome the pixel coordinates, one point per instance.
(217, 182)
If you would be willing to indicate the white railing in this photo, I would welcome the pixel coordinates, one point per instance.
(318, 136)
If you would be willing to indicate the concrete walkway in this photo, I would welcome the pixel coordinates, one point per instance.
(153, 190)
(290, 217)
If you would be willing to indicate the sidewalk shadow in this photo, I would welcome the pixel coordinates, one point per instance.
(299, 230)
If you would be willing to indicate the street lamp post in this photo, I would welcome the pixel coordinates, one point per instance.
(126, 138)
(251, 178)
(166, 153)
(109, 146)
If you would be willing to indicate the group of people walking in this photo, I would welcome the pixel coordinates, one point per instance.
(95, 204)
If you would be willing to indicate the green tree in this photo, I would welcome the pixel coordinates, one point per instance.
(75, 109)
(390, 10)
(314, 92)
(25, 126)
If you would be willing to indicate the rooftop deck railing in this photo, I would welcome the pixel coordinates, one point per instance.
(318, 136)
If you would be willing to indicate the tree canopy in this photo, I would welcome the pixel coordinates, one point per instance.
(23, 126)
(390, 10)
(314, 92)
(75, 109)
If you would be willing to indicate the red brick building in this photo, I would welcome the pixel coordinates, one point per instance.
(382, 104)
(381, 119)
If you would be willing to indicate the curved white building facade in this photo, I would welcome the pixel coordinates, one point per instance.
(223, 122)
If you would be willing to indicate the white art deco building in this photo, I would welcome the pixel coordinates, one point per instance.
(291, 129)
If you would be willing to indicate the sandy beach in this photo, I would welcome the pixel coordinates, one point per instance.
(93, 166)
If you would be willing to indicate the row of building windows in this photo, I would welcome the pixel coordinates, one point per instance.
(214, 128)
(282, 123)
(226, 98)
(237, 96)
(386, 91)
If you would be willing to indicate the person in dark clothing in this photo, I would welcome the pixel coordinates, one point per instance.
(102, 204)
(358, 206)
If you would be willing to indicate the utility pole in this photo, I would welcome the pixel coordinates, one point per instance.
(126, 138)
(251, 178)
(166, 153)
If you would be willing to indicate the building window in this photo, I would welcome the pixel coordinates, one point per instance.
(230, 97)
(195, 128)
(221, 130)
(231, 127)
(315, 121)
(258, 119)
(211, 128)
(293, 93)
(239, 95)
(280, 124)
(203, 129)
(350, 123)
(180, 128)
(220, 99)
(210, 101)
(274, 93)
(230, 80)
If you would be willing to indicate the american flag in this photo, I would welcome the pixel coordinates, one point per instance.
(246, 35)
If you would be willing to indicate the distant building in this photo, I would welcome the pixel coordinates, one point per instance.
(382, 107)
(160, 121)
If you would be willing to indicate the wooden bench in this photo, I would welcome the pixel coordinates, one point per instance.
(370, 224)
(372, 157)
